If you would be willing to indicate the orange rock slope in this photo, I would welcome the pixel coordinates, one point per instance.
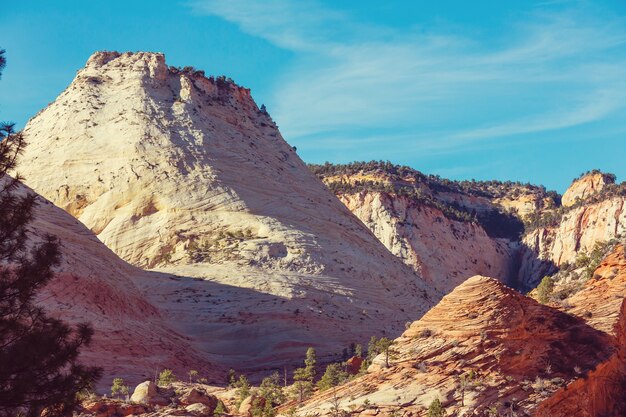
(601, 393)
(600, 300)
(483, 347)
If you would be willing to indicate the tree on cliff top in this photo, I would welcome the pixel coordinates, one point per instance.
(38, 354)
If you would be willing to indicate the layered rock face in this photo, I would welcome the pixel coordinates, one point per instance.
(446, 231)
(592, 213)
(450, 230)
(483, 348)
(444, 252)
(586, 186)
(579, 230)
(602, 393)
(183, 173)
(599, 301)
(132, 338)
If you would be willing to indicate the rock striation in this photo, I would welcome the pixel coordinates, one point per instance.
(443, 251)
(585, 186)
(132, 337)
(483, 348)
(184, 174)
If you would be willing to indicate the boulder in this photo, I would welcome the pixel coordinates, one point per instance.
(147, 393)
(245, 409)
(197, 396)
(199, 409)
(353, 365)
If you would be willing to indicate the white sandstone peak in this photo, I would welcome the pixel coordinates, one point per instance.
(183, 173)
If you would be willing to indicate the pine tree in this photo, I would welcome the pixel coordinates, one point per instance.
(310, 363)
(193, 375)
(385, 345)
(544, 289)
(334, 375)
(436, 409)
(39, 368)
(166, 377)
(302, 385)
(271, 390)
(119, 388)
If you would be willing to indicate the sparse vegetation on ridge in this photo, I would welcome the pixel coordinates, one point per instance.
(429, 190)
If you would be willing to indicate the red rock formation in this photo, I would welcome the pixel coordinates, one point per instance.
(353, 365)
(600, 300)
(601, 393)
(512, 351)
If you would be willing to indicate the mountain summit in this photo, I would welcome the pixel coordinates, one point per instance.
(183, 173)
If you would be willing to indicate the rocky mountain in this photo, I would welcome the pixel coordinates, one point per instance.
(132, 338)
(445, 230)
(451, 230)
(184, 174)
(484, 349)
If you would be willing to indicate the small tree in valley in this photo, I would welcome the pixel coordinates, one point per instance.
(166, 377)
(119, 388)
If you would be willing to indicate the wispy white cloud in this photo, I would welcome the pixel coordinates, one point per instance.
(552, 71)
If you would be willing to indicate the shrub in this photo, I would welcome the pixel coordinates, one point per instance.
(119, 388)
(166, 377)
(243, 389)
(544, 289)
(436, 409)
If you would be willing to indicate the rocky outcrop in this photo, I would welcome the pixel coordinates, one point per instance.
(196, 395)
(601, 303)
(483, 347)
(585, 186)
(444, 252)
(601, 393)
(111, 408)
(577, 232)
(600, 299)
(185, 174)
(93, 285)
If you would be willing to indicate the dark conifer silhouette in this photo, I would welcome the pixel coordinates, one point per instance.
(38, 354)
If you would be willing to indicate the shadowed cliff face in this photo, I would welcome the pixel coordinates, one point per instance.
(601, 393)
(450, 230)
(132, 337)
(184, 174)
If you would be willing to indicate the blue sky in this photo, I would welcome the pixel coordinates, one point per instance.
(523, 90)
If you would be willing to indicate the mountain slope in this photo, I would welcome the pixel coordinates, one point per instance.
(445, 230)
(513, 352)
(185, 174)
(92, 284)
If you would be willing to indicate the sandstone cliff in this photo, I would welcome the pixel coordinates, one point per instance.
(562, 237)
(445, 230)
(484, 348)
(587, 185)
(185, 174)
(450, 230)
(443, 251)
(132, 338)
